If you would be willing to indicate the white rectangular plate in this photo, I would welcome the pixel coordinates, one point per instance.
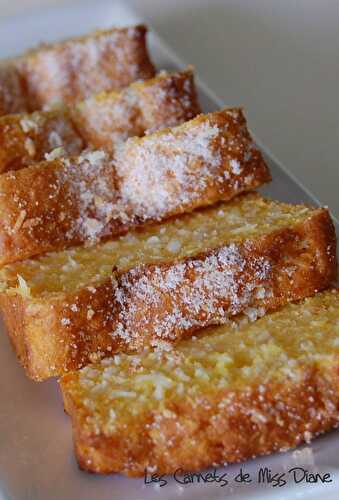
(36, 456)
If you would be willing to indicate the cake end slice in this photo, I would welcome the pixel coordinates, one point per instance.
(232, 393)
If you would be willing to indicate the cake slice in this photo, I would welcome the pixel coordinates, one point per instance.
(102, 121)
(232, 393)
(69, 201)
(72, 70)
(160, 283)
(109, 118)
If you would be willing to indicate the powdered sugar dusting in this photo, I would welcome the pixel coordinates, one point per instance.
(170, 163)
(91, 186)
(102, 121)
(110, 119)
(196, 293)
(75, 69)
(181, 166)
(171, 95)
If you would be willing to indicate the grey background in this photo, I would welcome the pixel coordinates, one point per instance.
(278, 59)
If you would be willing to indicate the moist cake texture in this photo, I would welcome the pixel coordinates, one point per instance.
(230, 393)
(161, 283)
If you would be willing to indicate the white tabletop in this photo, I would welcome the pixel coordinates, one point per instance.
(277, 59)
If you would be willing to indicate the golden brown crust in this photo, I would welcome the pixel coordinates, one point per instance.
(164, 302)
(72, 70)
(65, 202)
(44, 207)
(12, 93)
(226, 426)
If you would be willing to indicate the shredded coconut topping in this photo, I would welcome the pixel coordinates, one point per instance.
(56, 153)
(28, 124)
(228, 376)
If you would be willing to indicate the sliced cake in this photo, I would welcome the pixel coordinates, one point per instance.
(69, 201)
(158, 284)
(230, 394)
